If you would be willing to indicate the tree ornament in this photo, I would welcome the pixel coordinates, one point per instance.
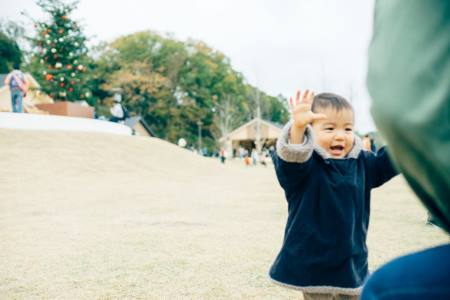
(61, 79)
(58, 65)
(53, 50)
(49, 77)
(80, 67)
(61, 84)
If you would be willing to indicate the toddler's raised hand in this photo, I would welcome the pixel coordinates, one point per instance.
(301, 109)
(302, 114)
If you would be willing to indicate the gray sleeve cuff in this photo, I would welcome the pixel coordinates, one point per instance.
(294, 152)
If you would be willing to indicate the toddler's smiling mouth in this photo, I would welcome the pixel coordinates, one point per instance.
(337, 147)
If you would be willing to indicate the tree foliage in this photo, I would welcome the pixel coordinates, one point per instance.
(174, 85)
(10, 54)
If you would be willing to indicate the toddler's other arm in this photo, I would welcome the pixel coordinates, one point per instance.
(382, 167)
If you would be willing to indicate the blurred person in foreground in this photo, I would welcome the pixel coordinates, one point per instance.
(409, 81)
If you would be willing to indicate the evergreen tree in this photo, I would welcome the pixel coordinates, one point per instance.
(60, 56)
(10, 54)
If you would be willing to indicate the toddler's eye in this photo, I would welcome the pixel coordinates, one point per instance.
(349, 129)
(329, 128)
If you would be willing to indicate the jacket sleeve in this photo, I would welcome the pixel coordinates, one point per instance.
(381, 167)
(292, 161)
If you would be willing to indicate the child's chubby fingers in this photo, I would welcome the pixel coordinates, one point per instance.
(297, 97)
(308, 96)
(305, 96)
(291, 104)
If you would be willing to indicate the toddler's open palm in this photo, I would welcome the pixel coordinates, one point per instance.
(301, 109)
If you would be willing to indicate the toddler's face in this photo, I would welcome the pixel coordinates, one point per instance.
(335, 133)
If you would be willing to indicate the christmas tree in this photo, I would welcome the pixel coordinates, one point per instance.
(60, 54)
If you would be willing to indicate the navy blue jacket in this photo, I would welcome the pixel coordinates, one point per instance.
(328, 215)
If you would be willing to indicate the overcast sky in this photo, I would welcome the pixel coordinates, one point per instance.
(279, 46)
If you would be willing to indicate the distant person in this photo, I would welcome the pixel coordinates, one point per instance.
(247, 159)
(255, 157)
(18, 87)
(223, 155)
(241, 151)
(408, 80)
(263, 158)
(118, 112)
(367, 143)
(327, 180)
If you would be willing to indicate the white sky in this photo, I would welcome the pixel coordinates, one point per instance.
(279, 46)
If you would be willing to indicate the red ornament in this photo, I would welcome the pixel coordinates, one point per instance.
(72, 82)
(70, 90)
(69, 67)
(61, 30)
(49, 77)
(61, 84)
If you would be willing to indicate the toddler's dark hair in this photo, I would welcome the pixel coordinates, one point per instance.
(324, 100)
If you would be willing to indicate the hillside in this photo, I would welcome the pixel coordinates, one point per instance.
(97, 216)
